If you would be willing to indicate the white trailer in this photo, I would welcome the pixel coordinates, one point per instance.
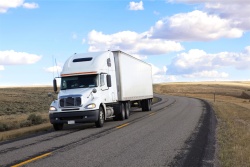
(100, 85)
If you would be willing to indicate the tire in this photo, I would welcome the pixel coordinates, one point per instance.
(58, 127)
(99, 123)
(127, 112)
(149, 105)
(146, 105)
(116, 112)
(119, 112)
(143, 104)
(116, 118)
(122, 112)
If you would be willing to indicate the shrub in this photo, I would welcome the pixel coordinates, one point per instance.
(35, 119)
(9, 126)
(3, 127)
(26, 123)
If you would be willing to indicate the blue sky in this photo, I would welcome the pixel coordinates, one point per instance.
(183, 40)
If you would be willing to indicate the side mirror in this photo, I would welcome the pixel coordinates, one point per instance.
(50, 95)
(109, 81)
(55, 85)
(93, 91)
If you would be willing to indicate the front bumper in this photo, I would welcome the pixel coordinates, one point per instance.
(76, 116)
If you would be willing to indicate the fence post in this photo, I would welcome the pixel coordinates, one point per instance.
(214, 96)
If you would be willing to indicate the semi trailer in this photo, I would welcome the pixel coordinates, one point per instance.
(96, 86)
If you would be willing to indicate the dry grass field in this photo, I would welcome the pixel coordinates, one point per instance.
(231, 103)
(25, 110)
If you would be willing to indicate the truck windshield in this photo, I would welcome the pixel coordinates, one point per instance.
(81, 81)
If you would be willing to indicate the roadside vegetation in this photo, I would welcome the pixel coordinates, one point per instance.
(22, 108)
(231, 103)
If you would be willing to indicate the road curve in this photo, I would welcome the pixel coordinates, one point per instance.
(166, 136)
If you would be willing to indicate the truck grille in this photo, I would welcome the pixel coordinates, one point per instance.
(70, 101)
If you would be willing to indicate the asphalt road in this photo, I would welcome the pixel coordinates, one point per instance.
(179, 131)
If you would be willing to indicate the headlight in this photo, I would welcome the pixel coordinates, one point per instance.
(90, 106)
(52, 108)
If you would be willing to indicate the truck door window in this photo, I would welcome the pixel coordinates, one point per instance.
(109, 62)
(102, 80)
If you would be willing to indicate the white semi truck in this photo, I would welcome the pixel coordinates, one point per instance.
(97, 86)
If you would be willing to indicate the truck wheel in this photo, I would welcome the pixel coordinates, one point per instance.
(115, 118)
(116, 112)
(99, 123)
(122, 112)
(143, 105)
(119, 112)
(127, 112)
(58, 127)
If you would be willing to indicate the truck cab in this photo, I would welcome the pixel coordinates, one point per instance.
(85, 90)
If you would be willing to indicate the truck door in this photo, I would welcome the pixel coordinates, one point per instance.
(107, 92)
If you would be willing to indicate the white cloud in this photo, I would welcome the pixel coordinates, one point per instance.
(136, 6)
(159, 74)
(30, 5)
(157, 70)
(247, 50)
(156, 13)
(7, 4)
(53, 69)
(141, 57)
(235, 11)
(83, 41)
(74, 35)
(193, 26)
(209, 1)
(199, 63)
(131, 42)
(11, 57)
(1, 68)
(207, 74)
(159, 78)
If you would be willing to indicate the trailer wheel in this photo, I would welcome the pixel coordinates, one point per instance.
(146, 105)
(149, 104)
(143, 105)
(58, 127)
(99, 123)
(119, 112)
(127, 112)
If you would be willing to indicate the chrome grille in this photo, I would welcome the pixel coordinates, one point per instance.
(70, 101)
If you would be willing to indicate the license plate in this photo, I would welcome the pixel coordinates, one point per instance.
(71, 122)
